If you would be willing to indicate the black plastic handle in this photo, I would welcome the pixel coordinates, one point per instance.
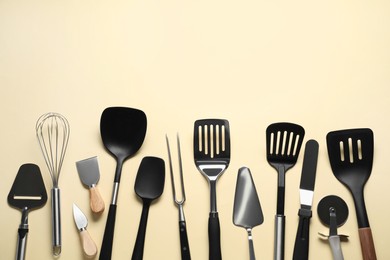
(138, 251)
(214, 237)
(108, 237)
(301, 247)
(184, 245)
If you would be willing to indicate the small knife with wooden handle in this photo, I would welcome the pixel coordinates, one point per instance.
(89, 246)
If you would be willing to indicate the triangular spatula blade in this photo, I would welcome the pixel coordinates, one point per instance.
(28, 190)
(247, 211)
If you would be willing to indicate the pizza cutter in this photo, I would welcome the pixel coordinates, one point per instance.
(333, 212)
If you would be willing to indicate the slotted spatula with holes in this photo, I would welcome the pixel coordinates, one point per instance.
(212, 157)
(351, 153)
(284, 141)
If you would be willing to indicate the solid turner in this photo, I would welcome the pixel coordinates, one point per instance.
(351, 154)
(123, 131)
(284, 141)
(212, 157)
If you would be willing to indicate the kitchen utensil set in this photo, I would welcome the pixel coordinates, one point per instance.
(123, 132)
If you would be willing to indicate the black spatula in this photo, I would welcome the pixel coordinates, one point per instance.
(351, 154)
(284, 141)
(212, 158)
(149, 185)
(123, 131)
(27, 193)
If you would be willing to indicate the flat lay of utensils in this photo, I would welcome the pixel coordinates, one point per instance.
(149, 185)
(306, 191)
(52, 130)
(247, 211)
(89, 246)
(351, 154)
(89, 174)
(184, 245)
(333, 212)
(122, 131)
(212, 157)
(27, 193)
(284, 141)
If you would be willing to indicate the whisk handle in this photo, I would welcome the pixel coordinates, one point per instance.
(56, 220)
(106, 250)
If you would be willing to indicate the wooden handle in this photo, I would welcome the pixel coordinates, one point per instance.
(97, 203)
(367, 244)
(89, 247)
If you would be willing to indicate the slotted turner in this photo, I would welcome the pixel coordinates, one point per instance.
(212, 157)
(284, 141)
(351, 155)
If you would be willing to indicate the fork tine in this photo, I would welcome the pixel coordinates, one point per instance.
(183, 194)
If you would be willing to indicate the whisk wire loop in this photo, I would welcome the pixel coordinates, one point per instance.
(53, 131)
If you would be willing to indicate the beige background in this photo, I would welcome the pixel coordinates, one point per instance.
(322, 64)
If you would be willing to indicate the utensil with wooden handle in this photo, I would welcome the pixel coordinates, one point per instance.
(88, 170)
(351, 153)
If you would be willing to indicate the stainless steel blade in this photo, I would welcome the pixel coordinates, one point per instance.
(247, 211)
(308, 176)
(88, 170)
(79, 218)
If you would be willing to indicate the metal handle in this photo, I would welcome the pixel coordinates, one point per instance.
(56, 220)
(280, 225)
(251, 247)
(334, 242)
(22, 242)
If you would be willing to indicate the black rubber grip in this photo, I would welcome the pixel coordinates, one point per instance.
(184, 246)
(214, 237)
(108, 237)
(301, 247)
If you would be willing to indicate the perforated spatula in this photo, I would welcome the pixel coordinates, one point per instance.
(212, 157)
(28, 192)
(351, 154)
(284, 141)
